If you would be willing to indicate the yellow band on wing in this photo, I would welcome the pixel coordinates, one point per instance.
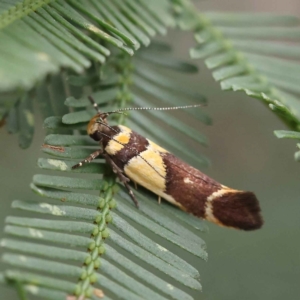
(119, 141)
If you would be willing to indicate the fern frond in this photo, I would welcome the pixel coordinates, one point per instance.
(88, 244)
(250, 53)
(41, 37)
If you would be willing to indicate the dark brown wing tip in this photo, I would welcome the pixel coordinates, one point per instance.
(239, 209)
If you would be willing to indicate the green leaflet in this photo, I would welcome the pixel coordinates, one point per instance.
(284, 134)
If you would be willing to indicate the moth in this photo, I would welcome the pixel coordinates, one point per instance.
(136, 158)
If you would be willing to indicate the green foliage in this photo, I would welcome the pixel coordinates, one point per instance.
(247, 52)
(109, 236)
(58, 53)
(250, 53)
(41, 37)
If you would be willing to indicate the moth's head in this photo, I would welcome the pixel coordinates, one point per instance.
(96, 126)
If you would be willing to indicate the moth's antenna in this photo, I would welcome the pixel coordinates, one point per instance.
(155, 108)
(106, 114)
(95, 105)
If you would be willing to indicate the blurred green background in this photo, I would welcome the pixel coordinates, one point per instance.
(245, 154)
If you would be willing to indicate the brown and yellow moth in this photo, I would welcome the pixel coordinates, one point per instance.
(134, 157)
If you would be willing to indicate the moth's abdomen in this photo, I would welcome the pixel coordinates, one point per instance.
(206, 198)
(234, 208)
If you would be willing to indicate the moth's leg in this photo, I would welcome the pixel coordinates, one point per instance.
(88, 159)
(159, 199)
(124, 179)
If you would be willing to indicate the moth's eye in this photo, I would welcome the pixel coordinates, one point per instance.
(96, 135)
